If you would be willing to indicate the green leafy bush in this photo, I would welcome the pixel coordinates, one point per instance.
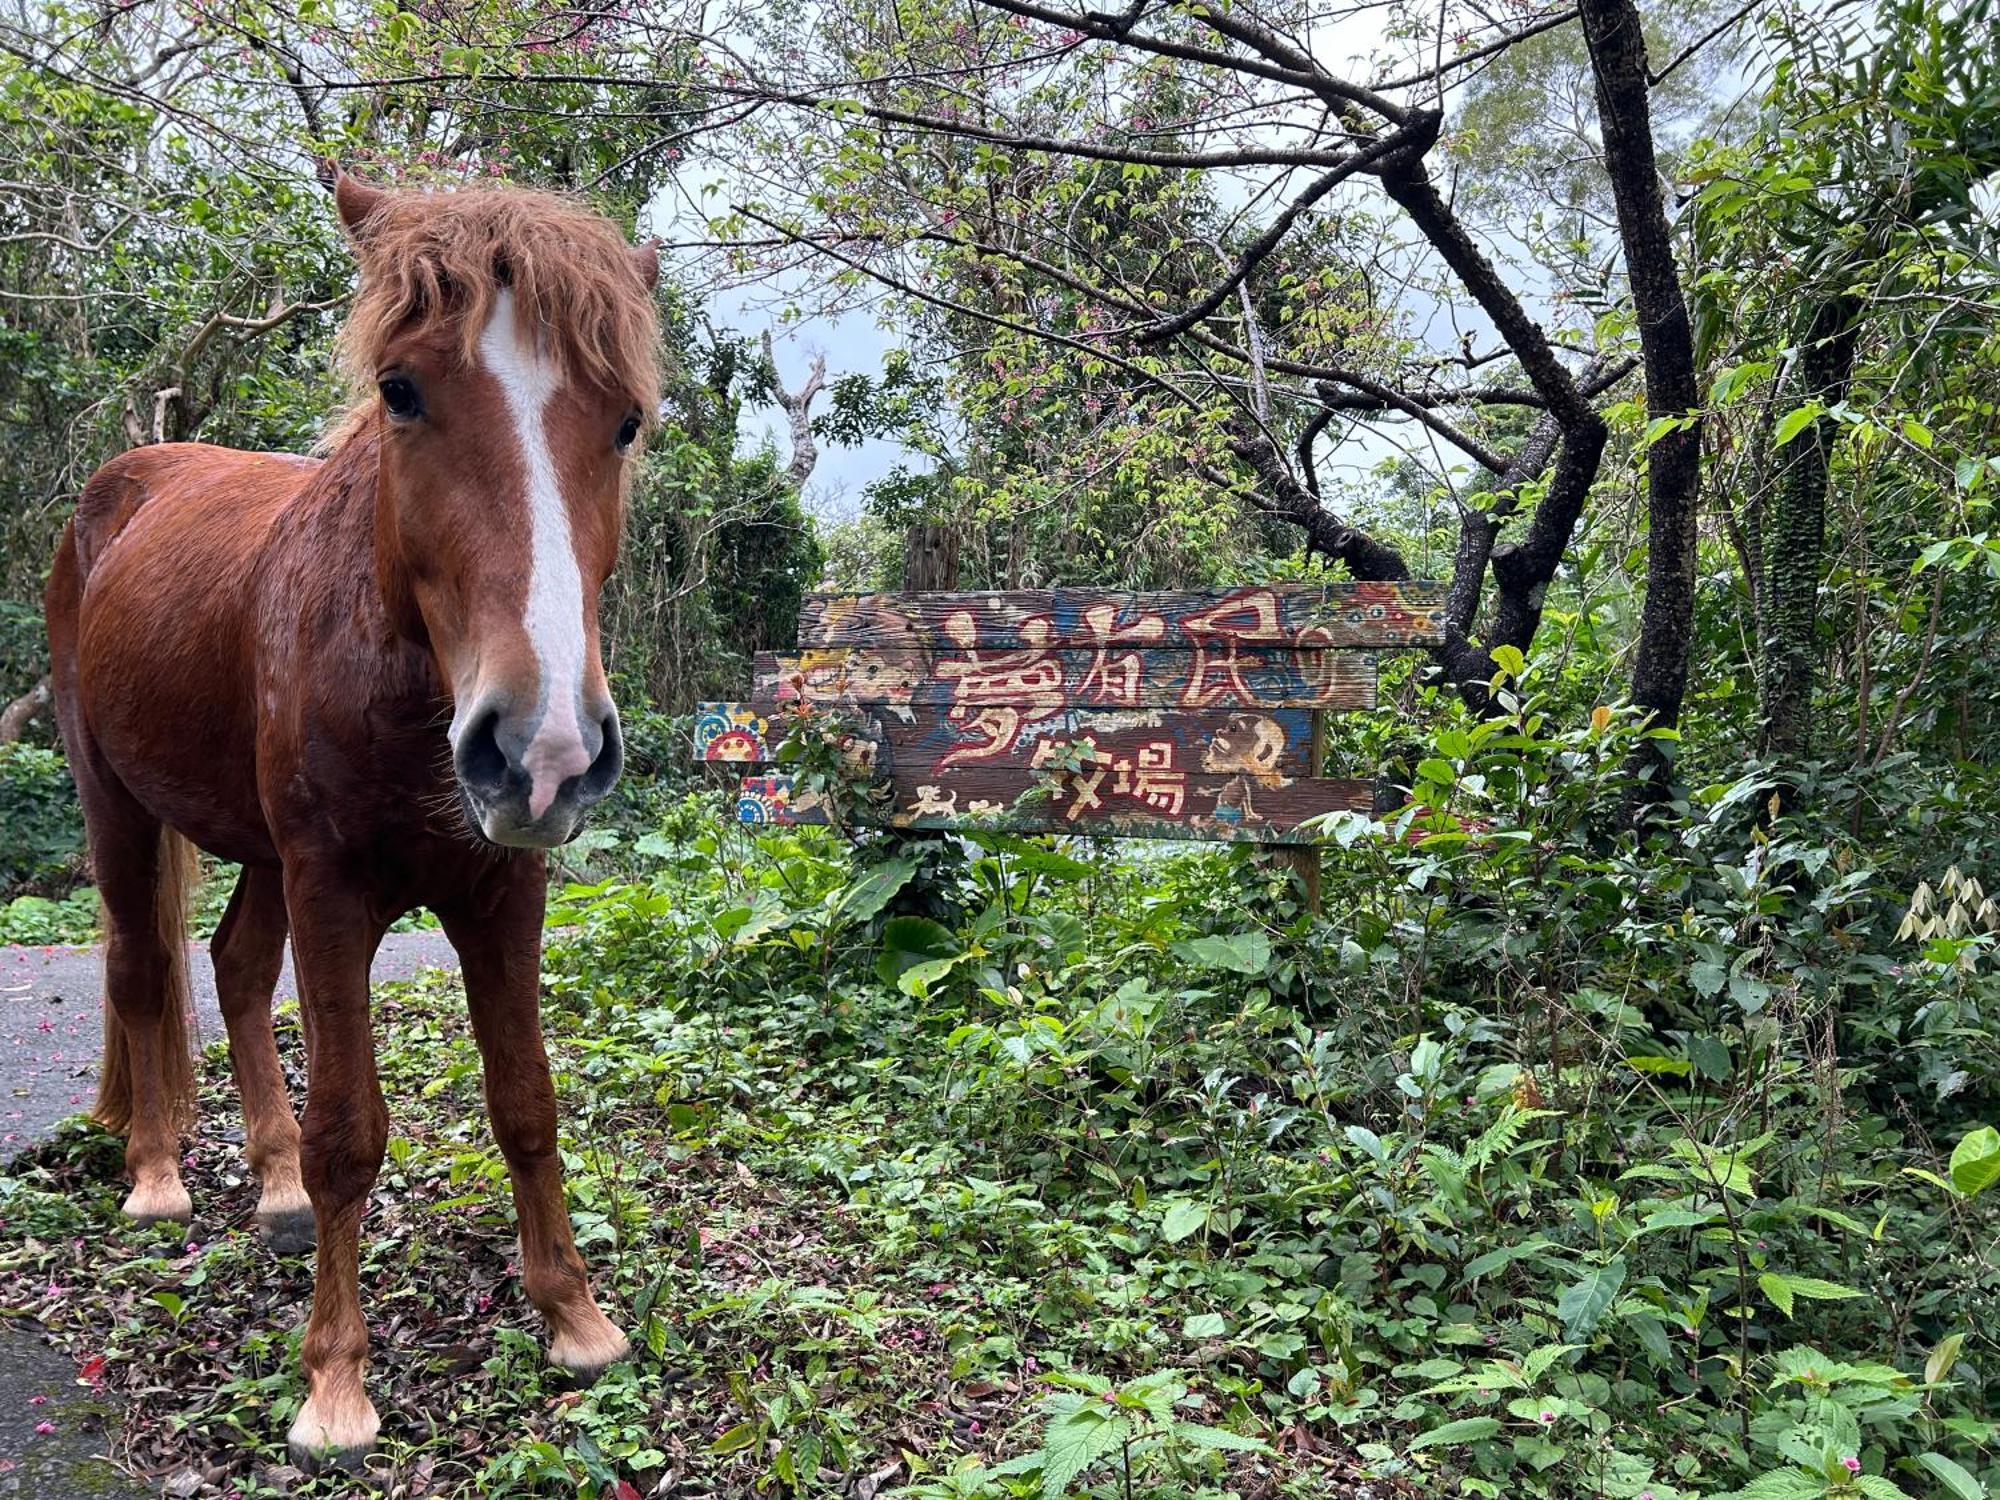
(41, 825)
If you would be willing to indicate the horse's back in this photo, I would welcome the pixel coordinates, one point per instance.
(237, 492)
(151, 623)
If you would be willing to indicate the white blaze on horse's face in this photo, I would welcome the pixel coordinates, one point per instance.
(531, 756)
(553, 618)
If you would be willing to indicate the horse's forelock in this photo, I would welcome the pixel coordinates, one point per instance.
(442, 258)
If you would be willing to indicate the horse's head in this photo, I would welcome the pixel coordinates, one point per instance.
(511, 343)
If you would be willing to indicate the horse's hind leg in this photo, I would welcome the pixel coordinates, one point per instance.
(249, 950)
(143, 872)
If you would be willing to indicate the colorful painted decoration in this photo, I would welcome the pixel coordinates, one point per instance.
(1123, 799)
(1334, 616)
(1223, 674)
(1167, 715)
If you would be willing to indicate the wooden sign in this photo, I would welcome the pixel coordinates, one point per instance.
(1173, 715)
(1227, 675)
(1334, 616)
(931, 740)
(1122, 798)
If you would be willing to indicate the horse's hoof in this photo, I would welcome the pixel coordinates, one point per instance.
(329, 1460)
(288, 1232)
(582, 1358)
(159, 1203)
(320, 1446)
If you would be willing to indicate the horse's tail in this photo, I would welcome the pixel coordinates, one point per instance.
(178, 869)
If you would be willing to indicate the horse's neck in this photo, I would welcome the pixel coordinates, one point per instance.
(350, 604)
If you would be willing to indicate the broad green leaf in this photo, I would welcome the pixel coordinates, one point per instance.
(1219, 1438)
(1938, 1366)
(1077, 1440)
(865, 896)
(1237, 952)
(1952, 1475)
(1975, 1161)
(1820, 1291)
(1204, 1326)
(1180, 1218)
(1778, 1290)
(1583, 1305)
(1680, 1067)
(1464, 1430)
(1796, 421)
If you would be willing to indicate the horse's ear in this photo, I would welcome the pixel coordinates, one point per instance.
(353, 199)
(646, 261)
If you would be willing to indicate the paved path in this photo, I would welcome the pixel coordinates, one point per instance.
(50, 1035)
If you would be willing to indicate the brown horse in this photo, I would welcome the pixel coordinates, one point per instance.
(374, 682)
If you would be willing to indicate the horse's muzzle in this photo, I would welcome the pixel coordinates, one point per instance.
(496, 760)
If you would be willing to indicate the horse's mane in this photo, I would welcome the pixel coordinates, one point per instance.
(445, 256)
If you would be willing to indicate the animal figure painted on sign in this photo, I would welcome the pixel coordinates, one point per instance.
(374, 682)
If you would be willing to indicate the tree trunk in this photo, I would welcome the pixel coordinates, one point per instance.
(1795, 532)
(23, 711)
(930, 558)
(1617, 45)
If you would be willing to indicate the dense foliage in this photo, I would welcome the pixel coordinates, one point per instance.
(1555, 1165)
(1623, 1125)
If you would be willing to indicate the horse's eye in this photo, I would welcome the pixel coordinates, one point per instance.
(399, 395)
(628, 433)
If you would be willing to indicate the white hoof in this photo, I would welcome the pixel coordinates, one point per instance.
(333, 1435)
(586, 1351)
(151, 1202)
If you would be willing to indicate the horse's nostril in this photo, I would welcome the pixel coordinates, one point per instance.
(605, 766)
(480, 762)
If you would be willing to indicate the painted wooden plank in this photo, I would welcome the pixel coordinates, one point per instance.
(1223, 675)
(1334, 615)
(1128, 801)
(750, 734)
(1260, 742)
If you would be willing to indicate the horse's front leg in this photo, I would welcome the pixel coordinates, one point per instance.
(346, 1130)
(498, 935)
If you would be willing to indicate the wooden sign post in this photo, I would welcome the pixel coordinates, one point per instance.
(1145, 715)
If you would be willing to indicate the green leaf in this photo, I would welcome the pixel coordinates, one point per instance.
(1820, 1291)
(742, 1435)
(1220, 1438)
(1778, 1290)
(1464, 1430)
(1952, 1475)
(1204, 1326)
(1680, 1067)
(1583, 1305)
(910, 941)
(1796, 421)
(1975, 1161)
(1238, 952)
(1075, 1441)
(1942, 1358)
(865, 896)
(1181, 1218)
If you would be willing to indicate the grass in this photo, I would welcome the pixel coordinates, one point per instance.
(994, 1173)
(780, 1336)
